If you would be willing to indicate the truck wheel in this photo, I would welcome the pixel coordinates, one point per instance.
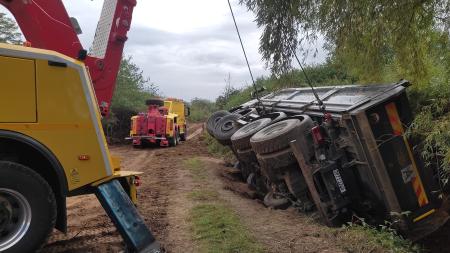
(241, 139)
(225, 128)
(177, 136)
(213, 119)
(172, 141)
(275, 116)
(27, 209)
(296, 183)
(183, 136)
(278, 136)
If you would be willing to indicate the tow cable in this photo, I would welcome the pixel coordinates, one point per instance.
(256, 91)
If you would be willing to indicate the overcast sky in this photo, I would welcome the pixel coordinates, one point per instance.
(186, 47)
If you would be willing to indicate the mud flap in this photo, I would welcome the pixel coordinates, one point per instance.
(126, 218)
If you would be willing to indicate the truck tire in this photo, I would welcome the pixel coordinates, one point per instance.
(154, 101)
(296, 183)
(277, 136)
(173, 140)
(183, 136)
(241, 139)
(278, 160)
(275, 116)
(178, 137)
(225, 128)
(27, 197)
(213, 119)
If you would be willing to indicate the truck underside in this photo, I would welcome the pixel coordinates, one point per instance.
(349, 158)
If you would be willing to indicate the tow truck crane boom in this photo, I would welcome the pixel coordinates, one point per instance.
(47, 25)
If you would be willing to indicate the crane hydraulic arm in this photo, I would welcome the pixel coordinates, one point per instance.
(47, 25)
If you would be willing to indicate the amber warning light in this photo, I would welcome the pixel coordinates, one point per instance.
(83, 157)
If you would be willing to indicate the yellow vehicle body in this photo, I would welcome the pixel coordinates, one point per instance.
(133, 130)
(177, 111)
(48, 106)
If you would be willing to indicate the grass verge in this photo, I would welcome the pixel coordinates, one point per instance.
(216, 227)
(195, 166)
(219, 229)
(203, 195)
(218, 150)
(364, 238)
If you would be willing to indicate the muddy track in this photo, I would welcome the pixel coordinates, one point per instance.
(90, 229)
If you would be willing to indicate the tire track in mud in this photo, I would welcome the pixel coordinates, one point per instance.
(89, 227)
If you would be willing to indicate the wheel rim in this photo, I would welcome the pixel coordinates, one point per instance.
(15, 217)
(227, 126)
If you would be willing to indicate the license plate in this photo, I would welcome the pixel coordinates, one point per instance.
(339, 181)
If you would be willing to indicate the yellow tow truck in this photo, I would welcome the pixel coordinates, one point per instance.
(52, 144)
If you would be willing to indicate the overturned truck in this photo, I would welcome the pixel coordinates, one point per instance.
(345, 155)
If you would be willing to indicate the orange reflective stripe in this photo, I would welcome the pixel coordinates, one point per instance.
(394, 119)
(397, 128)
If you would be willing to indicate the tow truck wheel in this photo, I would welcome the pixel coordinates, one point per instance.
(183, 136)
(27, 209)
(173, 141)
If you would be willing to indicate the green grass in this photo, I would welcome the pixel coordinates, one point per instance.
(214, 225)
(218, 150)
(203, 195)
(196, 168)
(218, 229)
(363, 238)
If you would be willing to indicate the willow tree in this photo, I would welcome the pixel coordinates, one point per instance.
(374, 41)
(9, 32)
(364, 35)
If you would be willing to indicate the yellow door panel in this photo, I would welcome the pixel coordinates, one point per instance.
(18, 96)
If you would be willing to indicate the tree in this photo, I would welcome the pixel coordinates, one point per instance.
(227, 93)
(201, 109)
(364, 35)
(132, 89)
(9, 32)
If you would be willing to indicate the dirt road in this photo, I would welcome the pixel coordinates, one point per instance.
(164, 204)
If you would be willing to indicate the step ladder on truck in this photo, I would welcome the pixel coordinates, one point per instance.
(52, 146)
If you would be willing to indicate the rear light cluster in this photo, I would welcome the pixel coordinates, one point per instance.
(317, 135)
(136, 181)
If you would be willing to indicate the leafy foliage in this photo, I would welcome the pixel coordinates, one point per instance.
(132, 89)
(364, 35)
(9, 32)
(201, 109)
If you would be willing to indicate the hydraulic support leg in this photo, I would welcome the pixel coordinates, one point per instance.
(127, 220)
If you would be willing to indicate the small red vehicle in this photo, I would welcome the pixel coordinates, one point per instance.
(156, 126)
